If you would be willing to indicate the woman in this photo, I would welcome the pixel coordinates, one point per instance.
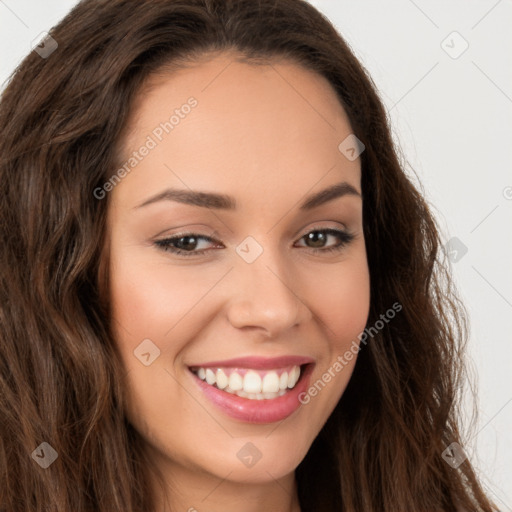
(219, 289)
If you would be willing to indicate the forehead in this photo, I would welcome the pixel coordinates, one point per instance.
(277, 125)
(223, 77)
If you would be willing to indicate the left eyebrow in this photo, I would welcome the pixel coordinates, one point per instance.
(224, 202)
(328, 194)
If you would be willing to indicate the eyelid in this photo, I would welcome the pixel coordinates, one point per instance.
(344, 236)
(323, 227)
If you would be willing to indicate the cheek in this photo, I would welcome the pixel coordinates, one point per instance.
(340, 299)
(150, 300)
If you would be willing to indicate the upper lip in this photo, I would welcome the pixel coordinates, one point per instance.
(257, 362)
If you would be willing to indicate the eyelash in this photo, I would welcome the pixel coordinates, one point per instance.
(344, 238)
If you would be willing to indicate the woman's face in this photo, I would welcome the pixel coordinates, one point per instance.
(272, 279)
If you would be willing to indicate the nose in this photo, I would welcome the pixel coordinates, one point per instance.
(263, 295)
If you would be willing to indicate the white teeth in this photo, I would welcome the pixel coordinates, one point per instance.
(252, 382)
(297, 374)
(210, 376)
(222, 380)
(283, 381)
(293, 377)
(270, 383)
(251, 385)
(235, 382)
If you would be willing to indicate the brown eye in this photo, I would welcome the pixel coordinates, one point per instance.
(185, 244)
(317, 240)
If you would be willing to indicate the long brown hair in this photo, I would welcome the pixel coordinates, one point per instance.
(61, 120)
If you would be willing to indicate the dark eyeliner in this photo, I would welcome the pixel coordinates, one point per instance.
(166, 244)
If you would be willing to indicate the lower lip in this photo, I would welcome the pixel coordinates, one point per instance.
(257, 411)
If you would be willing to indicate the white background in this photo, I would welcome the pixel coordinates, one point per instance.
(453, 120)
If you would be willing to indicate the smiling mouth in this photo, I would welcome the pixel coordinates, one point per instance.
(253, 384)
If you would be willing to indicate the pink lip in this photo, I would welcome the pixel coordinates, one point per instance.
(257, 411)
(257, 363)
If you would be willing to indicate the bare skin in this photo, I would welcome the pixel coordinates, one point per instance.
(251, 136)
